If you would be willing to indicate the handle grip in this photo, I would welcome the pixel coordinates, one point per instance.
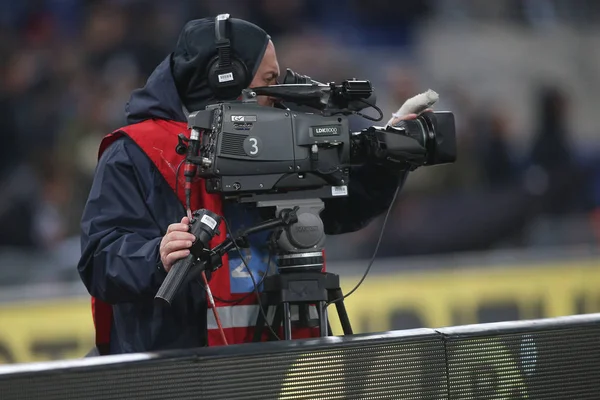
(175, 278)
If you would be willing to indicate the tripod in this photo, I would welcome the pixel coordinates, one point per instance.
(302, 289)
(300, 281)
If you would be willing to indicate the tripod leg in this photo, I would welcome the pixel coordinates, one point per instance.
(323, 320)
(277, 320)
(341, 309)
(303, 315)
(287, 321)
(260, 320)
(260, 324)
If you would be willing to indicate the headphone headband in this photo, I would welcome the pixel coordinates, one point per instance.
(222, 40)
(221, 29)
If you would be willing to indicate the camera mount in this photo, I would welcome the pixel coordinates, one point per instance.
(298, 238)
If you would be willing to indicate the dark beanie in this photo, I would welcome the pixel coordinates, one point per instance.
(196, 47)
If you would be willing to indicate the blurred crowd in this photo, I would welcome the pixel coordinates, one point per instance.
(68, 67)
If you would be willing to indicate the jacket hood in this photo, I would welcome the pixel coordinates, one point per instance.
(157, 99)
(180, 81)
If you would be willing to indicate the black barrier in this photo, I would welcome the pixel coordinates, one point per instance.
(555, 358)
(542, 359)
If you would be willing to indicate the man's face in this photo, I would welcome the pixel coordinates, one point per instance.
(267, 74)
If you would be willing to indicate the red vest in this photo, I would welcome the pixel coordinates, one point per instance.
(158, 139)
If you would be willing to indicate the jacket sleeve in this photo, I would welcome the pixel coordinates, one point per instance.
(370, 192)
(120, 238)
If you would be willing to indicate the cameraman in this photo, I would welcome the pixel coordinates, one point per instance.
(132, 226)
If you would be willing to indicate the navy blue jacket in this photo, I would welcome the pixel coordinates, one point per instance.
(129, 208)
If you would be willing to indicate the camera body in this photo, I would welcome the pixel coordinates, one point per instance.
(250, 153)
(247, 148)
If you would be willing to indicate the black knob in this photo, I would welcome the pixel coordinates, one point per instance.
(181, 147)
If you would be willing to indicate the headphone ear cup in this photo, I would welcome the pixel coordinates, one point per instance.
(211, 74)
(227, 82)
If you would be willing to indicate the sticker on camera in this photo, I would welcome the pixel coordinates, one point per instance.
(208, 221)
(339, 190)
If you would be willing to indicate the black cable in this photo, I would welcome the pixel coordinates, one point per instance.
(237, 301)
(372, 106)
(253, 280)
(330, 172)
(400, 184)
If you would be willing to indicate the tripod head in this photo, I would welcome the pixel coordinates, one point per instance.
(298, 246)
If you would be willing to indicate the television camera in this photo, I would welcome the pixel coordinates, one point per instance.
(290, 162)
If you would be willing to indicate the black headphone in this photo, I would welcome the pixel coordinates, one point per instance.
(227, 74)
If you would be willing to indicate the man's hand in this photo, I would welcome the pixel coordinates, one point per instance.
(414, 106)
(175, 244)
(396, 119)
